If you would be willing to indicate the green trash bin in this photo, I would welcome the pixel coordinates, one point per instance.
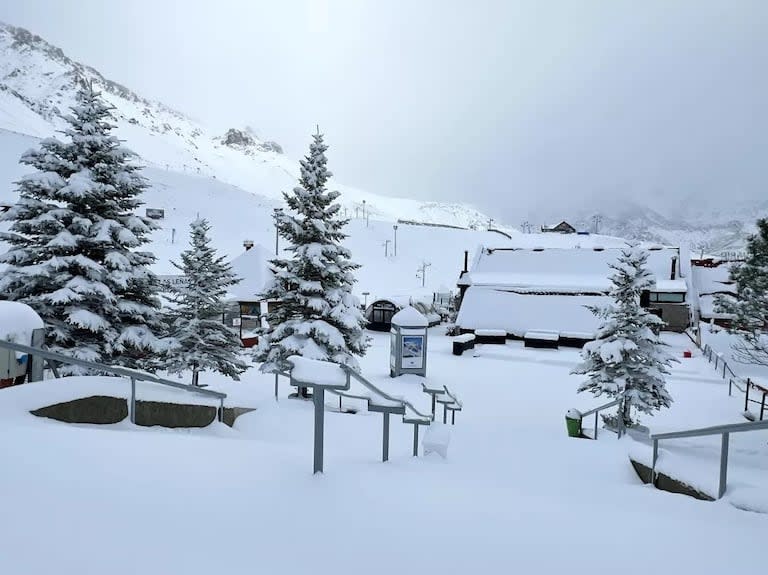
(573, 423)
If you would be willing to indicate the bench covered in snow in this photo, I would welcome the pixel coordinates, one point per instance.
(497, 336)
(575, 338)
(462, 343)
(542, 339)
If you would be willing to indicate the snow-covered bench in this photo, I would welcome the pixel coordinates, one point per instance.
(497, 336)
(575, 338)
(541, 339)
(462, 343)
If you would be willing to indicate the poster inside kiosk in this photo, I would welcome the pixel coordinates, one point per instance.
(413, 351)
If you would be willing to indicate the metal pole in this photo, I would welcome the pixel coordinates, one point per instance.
(385, 439)
(746, 395)
(276, 376)
(762, 406)
(598, 411)
(730, 386)
(415, 439)
(653, 463)
(395, 246)
(453, 417)
(318, 394)
(723, 465)
(36, 363)
(445, 413)
(725, 364)
(221, 411)
(433, 407)
(133, 400)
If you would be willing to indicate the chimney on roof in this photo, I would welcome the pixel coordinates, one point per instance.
(673, 270)
(247, 244)
(466, 260)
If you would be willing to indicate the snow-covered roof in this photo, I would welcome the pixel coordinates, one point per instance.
(564, 270)
(674, 286)
(707, 308)
(708, 280)
(409, 317)
(252, 266)
(489, 308)
(17, 321)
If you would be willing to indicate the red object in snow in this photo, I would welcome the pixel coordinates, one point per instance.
(687, 353)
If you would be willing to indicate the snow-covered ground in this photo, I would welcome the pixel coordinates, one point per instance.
(514, 494)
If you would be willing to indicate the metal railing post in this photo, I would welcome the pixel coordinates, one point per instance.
(598, 411)
(415, 439)
(221, 410)
(725, 365)
(132, 413)
(746, 395)
(385, 438)
(653, 461)
(445, 413)
(716, 358)
(730, 386)
(276, 376)
(723, 464)
(318, 396)
(762, 406)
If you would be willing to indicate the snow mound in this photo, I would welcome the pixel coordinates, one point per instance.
(17, 321)
(409, 317)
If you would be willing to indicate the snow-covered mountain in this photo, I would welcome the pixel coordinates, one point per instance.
(37, 86)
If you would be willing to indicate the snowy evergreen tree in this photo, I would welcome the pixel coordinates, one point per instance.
(627, 359)
(750, 305)
(201, 341)
(318, 317)
(73, 244)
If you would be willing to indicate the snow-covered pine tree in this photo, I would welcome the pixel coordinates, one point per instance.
(74, 234)
(627, 360)
(201, 341)
(750, 305)
(318, 317)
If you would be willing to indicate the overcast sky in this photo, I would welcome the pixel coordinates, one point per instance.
(500, 103)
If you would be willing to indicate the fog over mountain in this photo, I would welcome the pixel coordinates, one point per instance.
(650, 115)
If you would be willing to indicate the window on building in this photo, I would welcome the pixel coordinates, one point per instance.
(665, 297)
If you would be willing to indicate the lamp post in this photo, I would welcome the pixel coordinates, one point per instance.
(365, 295)
(276, 214)
(394, 227)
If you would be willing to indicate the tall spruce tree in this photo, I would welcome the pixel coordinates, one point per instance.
(74, 239)
(317, 317)
(750, 304)
(201, 342)
(627, 359)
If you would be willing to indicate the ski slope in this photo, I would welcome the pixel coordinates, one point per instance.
(237, 215)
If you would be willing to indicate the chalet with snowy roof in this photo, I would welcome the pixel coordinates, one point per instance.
(252, 266)
(521, 290)
(709, 278)
(561, 228)
(380, 312)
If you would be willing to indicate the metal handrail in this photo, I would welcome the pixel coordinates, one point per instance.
(723, 430)
(598, 409)
(132, 374)
(734, 381)
(382, 393)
